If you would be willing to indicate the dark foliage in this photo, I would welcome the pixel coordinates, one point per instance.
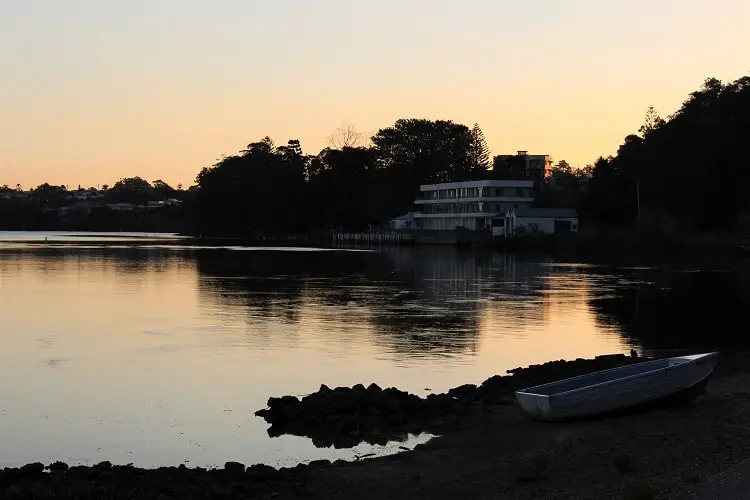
(267, 189)
(685, 173)
(56, 208)
(689, 171)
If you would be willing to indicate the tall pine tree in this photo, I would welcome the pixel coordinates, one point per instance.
(480, 152)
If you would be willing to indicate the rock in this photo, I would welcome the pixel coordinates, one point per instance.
(319, 463)
(58, 467)
(34, 468)
(104, 466)
(78, 471)
(609, 357)
(262, 473)
(235, 467)
(374, 388)
(466, 391)
(344, 417)
(282, 401)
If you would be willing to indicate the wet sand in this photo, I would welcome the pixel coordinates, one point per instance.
(493, 451)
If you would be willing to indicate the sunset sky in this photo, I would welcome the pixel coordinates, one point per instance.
(95, 90)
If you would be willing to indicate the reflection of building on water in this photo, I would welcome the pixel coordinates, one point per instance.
(342, 293)
(469, 274)
(441, 271)
(503, 294)
(412, 301)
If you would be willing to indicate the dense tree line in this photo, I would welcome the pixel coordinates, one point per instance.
(686, 172)
(50, 207)
(268, 188)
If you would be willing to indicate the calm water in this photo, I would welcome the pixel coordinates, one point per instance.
(159, 354)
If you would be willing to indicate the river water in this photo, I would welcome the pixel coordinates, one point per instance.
(155, 354)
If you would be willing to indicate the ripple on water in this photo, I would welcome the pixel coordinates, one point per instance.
(202, 331)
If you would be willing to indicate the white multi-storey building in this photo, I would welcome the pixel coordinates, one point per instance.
(471, 204)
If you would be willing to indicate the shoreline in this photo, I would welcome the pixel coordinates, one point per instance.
(608, 247)
(490, 451)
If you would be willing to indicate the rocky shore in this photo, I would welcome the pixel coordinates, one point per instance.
(488, 448)
(346, 416)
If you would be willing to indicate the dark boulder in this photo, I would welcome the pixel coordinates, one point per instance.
(58, 467)
(234, 467)
(32, 469)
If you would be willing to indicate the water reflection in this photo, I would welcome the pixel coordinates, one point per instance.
(156, 355)
(361, 291)
(673, 309)
(416, 302)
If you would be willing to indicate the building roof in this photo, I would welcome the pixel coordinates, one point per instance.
(482, 183)
(553, 213)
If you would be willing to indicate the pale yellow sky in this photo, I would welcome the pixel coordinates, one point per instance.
(95, 90)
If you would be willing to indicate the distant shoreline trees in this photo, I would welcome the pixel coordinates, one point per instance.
(131, 204)
(685, 172)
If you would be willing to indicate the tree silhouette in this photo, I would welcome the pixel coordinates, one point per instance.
(683, 173)
(131, 190)
(651, 122)
(162, 190)
(264, 146)
(480, 152)
(346, 135)
(50, 196)
(684, 170)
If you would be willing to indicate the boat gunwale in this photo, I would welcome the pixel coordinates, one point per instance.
(692, 359)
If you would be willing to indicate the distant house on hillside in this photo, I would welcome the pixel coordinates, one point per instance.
(121, 207)
(87, 194)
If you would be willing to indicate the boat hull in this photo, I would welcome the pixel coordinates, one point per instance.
(679, 379)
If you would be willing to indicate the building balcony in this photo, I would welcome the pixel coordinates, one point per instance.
(457, 215)
(482, 199)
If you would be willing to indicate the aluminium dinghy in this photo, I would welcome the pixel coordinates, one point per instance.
(617, 388)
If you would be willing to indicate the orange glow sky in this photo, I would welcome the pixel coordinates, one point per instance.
(95, 90)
